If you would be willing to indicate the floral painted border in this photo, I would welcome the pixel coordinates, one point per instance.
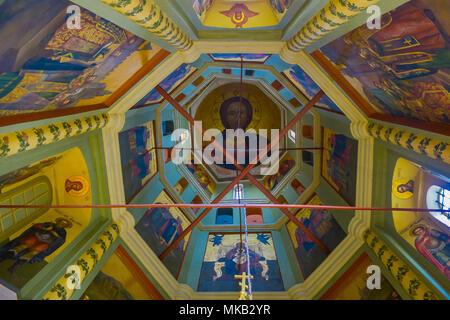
(432, 148)
(416, 288)
(61, 290)
(25, 140)
(149, 16)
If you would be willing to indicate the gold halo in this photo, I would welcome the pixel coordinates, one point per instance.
(404, 195)
(84, 182)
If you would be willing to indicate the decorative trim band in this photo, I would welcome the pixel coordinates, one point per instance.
(25, 140)
(429, 147)
(148, 15)
(334, 14)
(415, 287)
(65, 287)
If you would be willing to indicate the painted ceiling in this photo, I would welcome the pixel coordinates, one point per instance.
(238, 14)
(52, 67)
(400, 71)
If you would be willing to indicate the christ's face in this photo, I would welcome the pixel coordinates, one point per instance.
(236, 119)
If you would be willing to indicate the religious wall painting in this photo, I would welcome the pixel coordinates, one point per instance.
(413, 186)
(284, 167)
(51, 66)
(169, 84)
(225, 257)
(21, 174)
(202, 176)
(323, 225)
(121, 279)
(352, 285)
(224, 109)
(402, 69)
(432, 241)
(29, 250)
(281, 6)
(240, 14)
(339, 162)
(159, 227)
(303, 82)
(32, 238)
(235, 57)
(138, 158)
(202, 6)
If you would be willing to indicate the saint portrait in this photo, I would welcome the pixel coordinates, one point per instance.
(35, 243)
(434, 245)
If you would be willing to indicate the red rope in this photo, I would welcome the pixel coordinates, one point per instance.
(217, 205)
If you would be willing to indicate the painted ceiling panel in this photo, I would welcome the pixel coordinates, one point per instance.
(236, 14)
(169, 84)
(53, 66)
(402, 69)
(308, 87)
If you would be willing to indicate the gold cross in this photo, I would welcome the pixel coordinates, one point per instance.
(243, 294)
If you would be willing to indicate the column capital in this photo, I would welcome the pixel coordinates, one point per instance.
(289, 56)
(360, 129)
(116, 121)
(124, 219)
(192, 54)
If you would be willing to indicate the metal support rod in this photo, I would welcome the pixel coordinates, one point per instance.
(219, 205)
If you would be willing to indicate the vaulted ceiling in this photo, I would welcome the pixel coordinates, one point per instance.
(277, 55)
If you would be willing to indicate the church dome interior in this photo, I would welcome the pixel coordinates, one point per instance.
(175, 149)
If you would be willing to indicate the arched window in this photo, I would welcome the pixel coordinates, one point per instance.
(238, 192)
(224, 216)
(254, 216)
(36, 192)
(439, 198)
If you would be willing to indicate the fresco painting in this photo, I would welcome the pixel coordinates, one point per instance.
(202, 176)
(169, 84)
(403, 68)
(240, 14)
(202, 6)
(308, 87)
(339, 159)
(159, 227)
(285, 165)
(138, 157)
(432, 240)
(31, 239)
(226, 257)
(352, 285)
(323, 225)
(281, 6)
(29, 250)
(24, 173)
(51, 66)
